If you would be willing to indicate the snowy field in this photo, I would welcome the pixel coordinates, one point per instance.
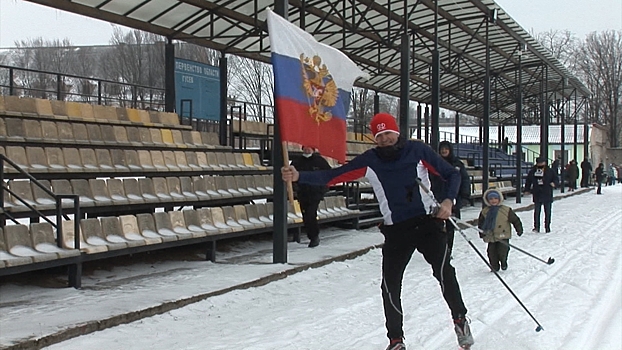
(578, 299)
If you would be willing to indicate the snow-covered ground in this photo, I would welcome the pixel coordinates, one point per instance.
(578, 299)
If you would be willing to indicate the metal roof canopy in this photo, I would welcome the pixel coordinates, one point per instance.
(369, 32)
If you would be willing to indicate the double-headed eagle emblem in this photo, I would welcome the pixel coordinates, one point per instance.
(320, 87)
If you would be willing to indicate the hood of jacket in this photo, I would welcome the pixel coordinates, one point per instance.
(492, 190)
(446, 144)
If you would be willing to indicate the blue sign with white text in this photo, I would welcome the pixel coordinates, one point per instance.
(197, 89)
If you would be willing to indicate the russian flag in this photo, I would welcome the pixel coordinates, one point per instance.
(312, 85)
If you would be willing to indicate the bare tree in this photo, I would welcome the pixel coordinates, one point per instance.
(599, 62)
(562, 44)
(251, 81)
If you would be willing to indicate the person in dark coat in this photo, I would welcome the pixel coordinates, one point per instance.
(541, 181)
(586, 169)
(573, 174)
(439, 187)
(600, 176)
(310, 196)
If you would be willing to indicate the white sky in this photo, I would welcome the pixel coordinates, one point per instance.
(577, 299)
(21, 20)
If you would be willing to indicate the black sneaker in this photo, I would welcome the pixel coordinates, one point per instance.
(396, 344)
(463, 332)
(536, 229)
(314, 242)
(504, 267)
(547, 230)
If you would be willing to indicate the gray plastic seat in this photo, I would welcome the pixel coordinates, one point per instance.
(82, 188)
(145, 136)
(221, 158)
(63, 186)
(204, 162)
(118, 160)
(164, 226)
(104, 160)
(252, 211)
(187, 138)
(258, 182)
(99, 188)
(93, 235)
(132, 191)
(19, 243)
(232, 163)
(156, 136)
(18, 155)
(73, 161)
(133, 136)
(44, 241)
(65, 133)
(22, 189)
(15, 129)
(94, 133)
(207, 224)
(55, 159)
(112, 230)
(80, 134)
(192, 161)
(120, 135)
(148, 228)
(117, 191)
(147, 190)
(157, 159)
(201, 190)
(174, 189)
(187, 189)
(161, 189)
(169, 161)
(180, 226)
(37, 159)
(232, 186)
(214, 162)
(145, 161)
(131, 231)
(89, 161)
(212, 190)
(242, 218)
(229, 216)
(218, 219)
(32, 130)
(268, 182)
(108, 135)
(49, 131)
(222, 188)
(42, 198)
(8, 259)
(182, 161)
(133, 160)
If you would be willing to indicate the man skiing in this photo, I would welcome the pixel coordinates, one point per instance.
(411, 219)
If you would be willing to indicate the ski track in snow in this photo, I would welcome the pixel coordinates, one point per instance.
(577, 299)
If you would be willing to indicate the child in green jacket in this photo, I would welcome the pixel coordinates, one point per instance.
(494, 220)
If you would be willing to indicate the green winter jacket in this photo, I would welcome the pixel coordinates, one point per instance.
(505, 217)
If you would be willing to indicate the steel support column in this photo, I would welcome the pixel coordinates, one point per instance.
(169, 76)
(222, 130)
(545, 116)
(586, 127)
(575, 127)
(419, 121)
(404, 84)
(376, 104)
(486, 117)
(563, 160)
(279, 237)
(519, 131)
(457, 128)
(427, 124)
(436, 84)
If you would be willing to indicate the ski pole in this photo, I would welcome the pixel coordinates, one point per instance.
(427, 191)
(548, 262)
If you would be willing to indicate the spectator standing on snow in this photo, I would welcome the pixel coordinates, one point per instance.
(586, 169)
(612, 174)
(412, 221)
(573, 173)
(600, 174)
(310, 196)
(541, 181)
(495, 220)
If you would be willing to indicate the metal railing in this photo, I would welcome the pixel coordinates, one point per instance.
(18, 81)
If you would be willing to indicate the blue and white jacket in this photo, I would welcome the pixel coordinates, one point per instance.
(394, 182)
